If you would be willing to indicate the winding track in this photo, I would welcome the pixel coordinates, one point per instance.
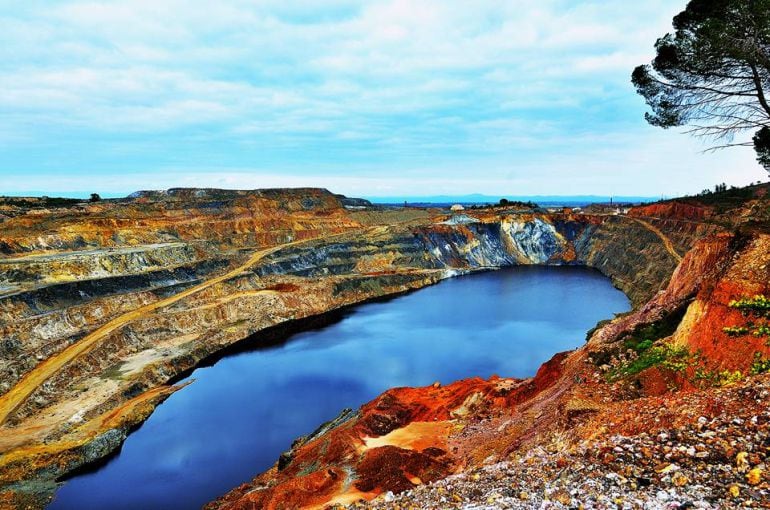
(38, 375)
(10, 401)
(663, 237)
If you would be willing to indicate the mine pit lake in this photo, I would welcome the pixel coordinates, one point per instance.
(246, 408)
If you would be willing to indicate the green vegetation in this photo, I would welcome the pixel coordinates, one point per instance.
(709, 378)
(644, 336)
(757, 309)
(719, 189)
(758, 305)
(727, 200)
(640, 340)
(649, 351)
(736, 330)
(638, 344)
(726, 377)
(761, 365)
(504, 202)
(665, 355)
(32, 203)
(713, 73)
(679, 359)
(762, 146)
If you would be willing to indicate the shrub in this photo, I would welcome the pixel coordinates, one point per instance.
(757, 307)
(736, 330)
(643, 345)
(760, 365)
(717, 378)
(667, 356)
(725, 377)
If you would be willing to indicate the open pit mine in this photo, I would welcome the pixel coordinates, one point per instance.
(105, 305)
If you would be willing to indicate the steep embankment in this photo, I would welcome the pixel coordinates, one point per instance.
(103, 304)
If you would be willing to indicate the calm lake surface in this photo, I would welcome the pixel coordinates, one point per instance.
(241, 413)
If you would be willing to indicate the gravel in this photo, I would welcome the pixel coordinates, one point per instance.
(710, 462)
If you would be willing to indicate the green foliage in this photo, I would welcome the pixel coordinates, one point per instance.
(61, 202)
(644, 336)
(676, 359)
(726, 200)
(713, 73)
(758, 305)
(719, 188)
(709, 378)
(643, 346)
(756, 308)
(736, 330)
(760, 365)
(726, 377)
(504, 202)
(41, 202)
(95, 197)
(667, 356)
(762, 147)
(642, 342)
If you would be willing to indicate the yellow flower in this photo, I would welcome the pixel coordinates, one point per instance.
(754, 476)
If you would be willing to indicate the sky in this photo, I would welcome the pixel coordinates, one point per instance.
(367, 98)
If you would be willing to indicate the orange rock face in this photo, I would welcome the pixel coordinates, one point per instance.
(405, 437)
(411, 427)
(746, 274)
(676, 210)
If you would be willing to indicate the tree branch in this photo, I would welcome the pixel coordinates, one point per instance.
(760, 90)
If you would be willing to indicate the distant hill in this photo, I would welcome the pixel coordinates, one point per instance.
(542, 200)
(438, 200)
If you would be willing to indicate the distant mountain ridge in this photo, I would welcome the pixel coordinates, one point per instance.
(469, 199)
(478, 198)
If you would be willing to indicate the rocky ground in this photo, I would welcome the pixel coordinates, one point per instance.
(717, 460)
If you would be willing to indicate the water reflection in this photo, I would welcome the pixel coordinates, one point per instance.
(242, 412)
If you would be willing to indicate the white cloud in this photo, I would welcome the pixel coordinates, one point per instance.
(418, 84)
(406, 53)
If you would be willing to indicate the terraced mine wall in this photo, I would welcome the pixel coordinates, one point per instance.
(102, 304)
(703, 364)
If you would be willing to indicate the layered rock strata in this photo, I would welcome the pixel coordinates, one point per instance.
(681, 421)
(102, 305)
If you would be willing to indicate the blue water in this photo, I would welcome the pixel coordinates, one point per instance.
(242, 412)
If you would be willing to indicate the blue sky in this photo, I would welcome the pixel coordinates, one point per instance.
(369, 98)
